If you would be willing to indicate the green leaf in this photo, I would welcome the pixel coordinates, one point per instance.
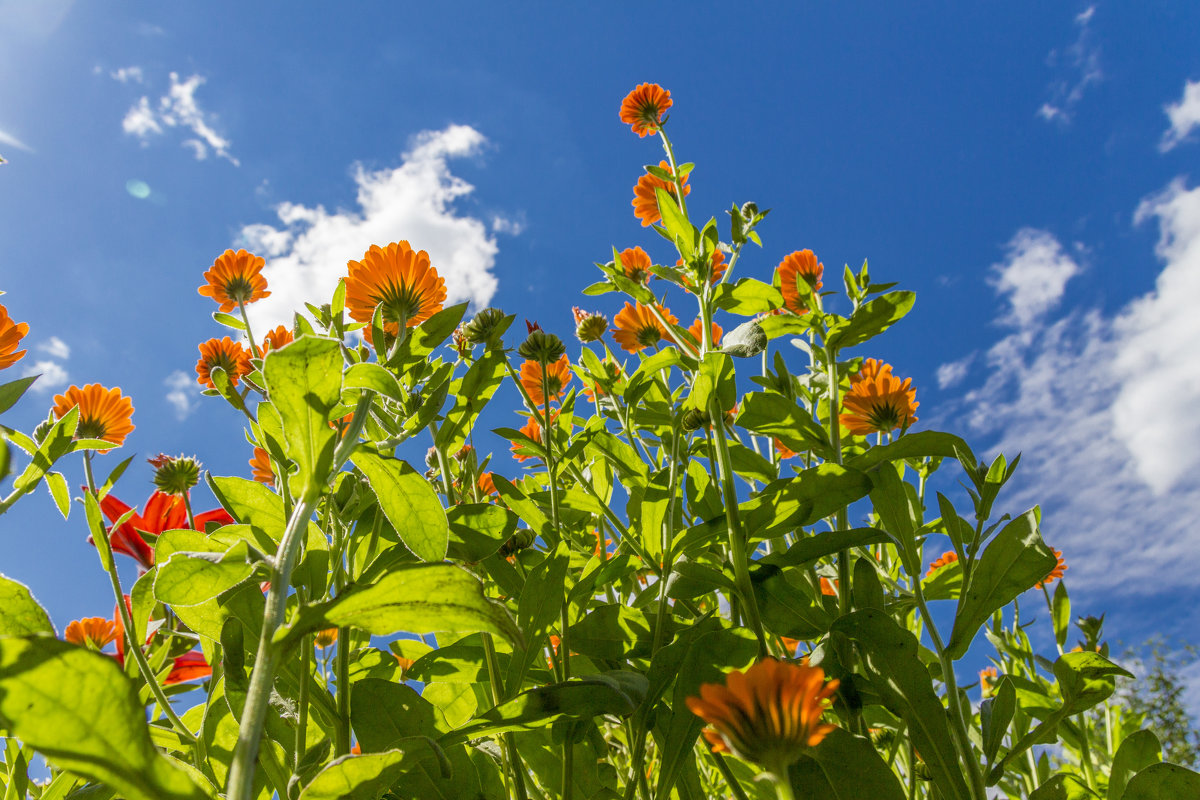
(77, 708)
(428, 336)
(57, 485)
(825, 543)
(1139, 750)
(538, 608)
(612, 632)
(189, 579)
(374, 377)
(1163, 782)
(20, 614)
(873, 318)
(56, 445)
(844, 767)
(477, 530)
(477, 387)
(1012, 563)
(921, 444)
(747, 297)
(1061, 616)
(771, 414)
(304, 382)
(995, 715)
(229, 320)
(11, 392)
(678, 229)
(384, 713)
(1085, 679)
(785, 607)
(362, 777)
(1063, 787)
(409, 503)
(618, 693)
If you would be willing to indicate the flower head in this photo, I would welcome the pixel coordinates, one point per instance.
(1055, 573)
(531, 428)
(398, 278)
(589, 325)
(879, 402)
(260, 467)
(643, 108)
(162, 512)
(635, 262)
(947, 558)
(987, 681)
(557, 375)
(175, 474)
(11, 334)
(769, 714)
(225, 353)
(235, 278)
(645, 199)
(696, 330)
(638, 327)
(487, 484)
(829, 588)
(188, 667)
(783, 450)
(797, 266)
(325, 638)
(93, 632)
(103, 413)
(716, 268)
(276, 339)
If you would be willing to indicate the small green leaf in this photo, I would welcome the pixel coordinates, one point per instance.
(771, 414)
(57, 485)
(1061, 607)
(189, 579)
(477, 387)
(20, 614)
(1085, 679)
(747, 297)
(995, 714)
(11, 392)
(678, 229)
(822, 544)
(304, 382)
(844, 767)
(618, 693)
(912, 445)
(374, 377)
(1163, 782)
(56, 445)
(229, 320)
(409, 503)
(1063, 787)
(477, 530)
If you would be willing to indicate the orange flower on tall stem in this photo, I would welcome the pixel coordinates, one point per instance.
(235, 278)
(880, 402)
(639, 328)
(696, 330)
(636, 263)
(557, 375)
(398, 278)
(276, 339)
(11, 334)
(103, 413)
(645, 200)
(260, 467)
(768, 715)
(225, 353)
(949, 557)
(802, 265)
(1055, 573)
(533, 430)
(716, 268)
(92, 632)
(642, 109)
(487, 484)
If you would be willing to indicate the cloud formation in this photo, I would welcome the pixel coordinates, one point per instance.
(183, 393)
(55, 348)
(308, 252)
(1033, 276)
(177, 108)
(9, 140)
(1184, 116)
(53, 375)
(1079, 68)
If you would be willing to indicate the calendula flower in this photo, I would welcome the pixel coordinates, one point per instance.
(645, 200)
(188, 667)
(987, 681)
(11, 334)
(716, 268)
(829, 588)
(557, 375)
(1055, 573)
(399, 278)
(534, 432)
(947, 558)
(225, 353)
(783, 450)
(642, 109)
(93, 632)
(175, 474)
(277, 338)
(103, 413)
(696, 329)
(325, 638)
(636, 264)
(260, 467)
(162, 512)
(600, 548)
(768, 715)
(235, 278)
(879, 403)
(405, 664)
(801, 265)
(790, 645)
(487, 485)
(638, 327)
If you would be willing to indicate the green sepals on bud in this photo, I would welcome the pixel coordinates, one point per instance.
(694, 420)
(542, 347)
(175, 474)
(43, 428)
(483, 327)
(590, 326)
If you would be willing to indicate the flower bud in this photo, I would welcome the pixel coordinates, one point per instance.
(175, 474)
(749, 210)
(482, 328)
(694, 420)
(461, 343)
(589, 325)
(543, 347)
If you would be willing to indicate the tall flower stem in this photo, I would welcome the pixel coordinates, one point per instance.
(249, 334)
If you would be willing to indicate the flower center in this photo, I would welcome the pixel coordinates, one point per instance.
(887, 415)
(400, 302)
(648, 335)
(239, 289)
(90, 428)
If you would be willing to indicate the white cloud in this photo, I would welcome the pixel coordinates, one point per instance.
(414, 201)
(183, 392)
(952, 374)
(1033, 275)
(511, 227)
(1184, 116)
(53, 376)
(1079, 68)
(140, 120)
(128, 75)
(7, 138)
(55, 348)
(178, 109)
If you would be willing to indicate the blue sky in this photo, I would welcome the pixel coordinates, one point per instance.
(1027, 168)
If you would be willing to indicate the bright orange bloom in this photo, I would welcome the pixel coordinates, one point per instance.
(399, 278)
(275, 339)
(225, 353)
(405, 664)
(800, 265)
(716, 268)
(783, 450)
(696, 329)
(643, 108)
(948, 557)
(791, 644)
(645, 200)
(534, 432)
(260, 466)
(558, 375)
(103, 413)
(93, 632)
(487, 485)
(162, 512)
(325, 637)
(1055, 573)
(879, 403)
(987, 681)
(600, 548)
(768, 715)
(235, 278)
(11, 334)
(188, 667)
(829, 587)
(636, 263)
(638, 327)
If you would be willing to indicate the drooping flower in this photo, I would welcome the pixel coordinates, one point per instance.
(802, 265)
(280, 336)
(260, 467)
(398, 278)
(635, 262)
(188, 667)
(642, 109)
(557, 375)
(589, 325)
(645, 200)
(235, 278)
(768, 715)
(879, 403)
(716, 268)
(1055, 573)
(92, 632)
(162, 512)
(638, 327)
(103, 413)
(947, 558)
(225, 353)
(11, 334)
(988, 676)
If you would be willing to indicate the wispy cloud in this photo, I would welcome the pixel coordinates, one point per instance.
(55, 348)
(182, 394)
(53, 375)
(414, 201)
(1078, 67)
(9, 140)
(128, 75)
(951, 374)
(178, 108)
(1184, 116)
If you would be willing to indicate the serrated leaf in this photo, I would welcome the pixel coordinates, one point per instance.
(20, 614)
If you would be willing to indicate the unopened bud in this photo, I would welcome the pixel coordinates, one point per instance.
(482, 328)
(749, 211)
(175, 474)
(543, 347)
(589, 325)
(694, 420)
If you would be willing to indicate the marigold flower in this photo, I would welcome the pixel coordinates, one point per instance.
(558, 375)
(645, 200)
(103, 413)
(534, 432)
(235, 278)
(487, 485)
(636, 263)
(188, 667)
(225, 353)
(11, 334)
(716, 268)
(399, 278)
(879, 403)
(791, 644)
(800, 265)
(642, 109)
(769, 714)
(947, 558)
(987, 681)
(260, 467)
(638, 327)
(829, 587)
(405, 664)
(162, 512)
(783, 450)
(277, 338)
(1055, 573)
(325, 637)
(696, 329)
(92, 632)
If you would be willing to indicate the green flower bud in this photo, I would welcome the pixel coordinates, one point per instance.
(542, 347)
(175, 474)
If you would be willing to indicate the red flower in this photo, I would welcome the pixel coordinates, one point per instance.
(163, 512)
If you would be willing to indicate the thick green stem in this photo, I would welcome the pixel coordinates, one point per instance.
(341, 737)
(730, 779)
(306, 650)
(498, 696)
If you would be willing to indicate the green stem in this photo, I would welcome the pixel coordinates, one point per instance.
(341, 742)
(498, 696)
(674, 170)
(306, 650)
(249, 334)
(727, 774)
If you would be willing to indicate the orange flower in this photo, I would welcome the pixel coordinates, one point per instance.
(645, 201)
(600, 549)
(399, 278)
(487, 485)
(235, 278)
(783, 450)
(638, 327)
(93, 632)
(801, 264)
(11, 334)
(948, 558)
(558, 375)
(716, 268)
(225, 353)
(791, 644)
(829, 587)
(325, 637)
(696, 329)
(880, 402)
(405, 664)
(260, 467)
(987, 681)
(188, 667)
(103, 413)
(768, 715)
(276, 339)
(636, 263)
(643, 108)
(534, 432)
(1055, 573)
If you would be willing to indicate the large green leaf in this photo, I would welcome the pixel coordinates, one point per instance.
(11, 392)
(1063, 787)
(304, 382)
(20, 614)
(617, 693)
(77, 708)
(409, 503)
(774, 415)
(873, 318)
(477, 530)
(1163, 782)
(1139, 750)
(920, 444)
(470, 396)
(1086, 679)
(825, 543)
(747, 297)
(189, 578)
(844, 767)
(363, 777)
(384, 713)
(374, 377)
